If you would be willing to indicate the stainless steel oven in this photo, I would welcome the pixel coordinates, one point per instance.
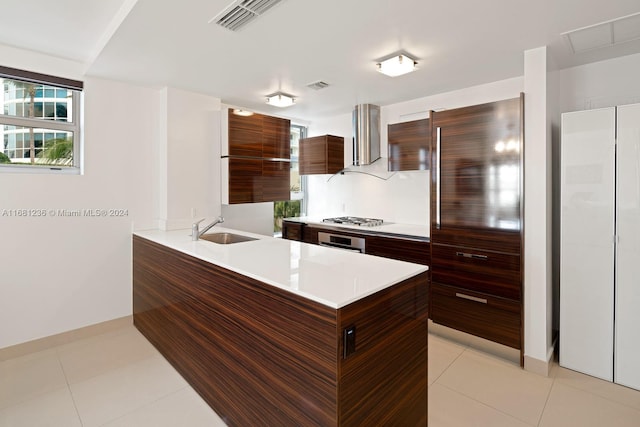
(339, 241)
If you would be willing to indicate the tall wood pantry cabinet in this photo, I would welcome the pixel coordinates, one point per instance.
(600, 243)
(476, 220)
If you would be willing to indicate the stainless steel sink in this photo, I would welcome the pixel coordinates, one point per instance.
(226, 238)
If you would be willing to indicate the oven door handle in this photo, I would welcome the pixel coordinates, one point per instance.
(339, 246)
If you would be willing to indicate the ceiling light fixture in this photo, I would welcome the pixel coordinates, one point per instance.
(243, 113)
(280, 100)
(397, 65)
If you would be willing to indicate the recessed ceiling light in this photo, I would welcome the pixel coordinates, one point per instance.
(397, 65)
(280, 100)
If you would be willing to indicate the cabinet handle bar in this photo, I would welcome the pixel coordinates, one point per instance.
(474, 256)
(471, 298)
(438, 140)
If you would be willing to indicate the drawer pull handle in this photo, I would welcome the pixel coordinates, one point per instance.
(474, 256)
(471, 298)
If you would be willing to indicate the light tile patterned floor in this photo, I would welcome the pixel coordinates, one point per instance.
(118, 379)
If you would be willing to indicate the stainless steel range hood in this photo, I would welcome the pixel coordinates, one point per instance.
(366, 134)
(366, 143)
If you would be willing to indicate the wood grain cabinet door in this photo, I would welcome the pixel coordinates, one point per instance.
(276, 138)
(245, 180)
(275, 181)
(408, 144)
(245, 135)
(321, 155)
(259, 149)
(476, 178)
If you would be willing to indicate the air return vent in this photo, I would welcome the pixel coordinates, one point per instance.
(317, 85)
(605, 34)
(241, 12)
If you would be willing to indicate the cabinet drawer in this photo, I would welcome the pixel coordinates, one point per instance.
(482, 271)
(292, 230)
(402, 249)
(493, 318)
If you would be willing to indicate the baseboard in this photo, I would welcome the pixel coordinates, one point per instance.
(502, 351)
(537, 366)
(63, 338)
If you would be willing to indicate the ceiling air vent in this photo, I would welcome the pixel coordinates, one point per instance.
(605, 34)
(317, 85)
(241, 12)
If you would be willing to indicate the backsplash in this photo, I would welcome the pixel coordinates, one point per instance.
(403, 198)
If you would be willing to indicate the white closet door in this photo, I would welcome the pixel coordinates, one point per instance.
(627, 347)
(587, 242)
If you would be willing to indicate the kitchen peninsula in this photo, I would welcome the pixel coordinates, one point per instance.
(278, 332)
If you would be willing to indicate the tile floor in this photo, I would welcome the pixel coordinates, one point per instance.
(118, 379)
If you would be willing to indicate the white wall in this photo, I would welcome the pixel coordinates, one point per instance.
(537, 212)
(189, 153)
(63, 273)
(601, 84)
(152, 152)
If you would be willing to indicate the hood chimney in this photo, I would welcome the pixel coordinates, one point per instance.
(366, 134)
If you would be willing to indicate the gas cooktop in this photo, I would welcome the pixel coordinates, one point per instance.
(354, 220)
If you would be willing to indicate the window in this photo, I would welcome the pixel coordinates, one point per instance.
(296, 205)
(39, 121)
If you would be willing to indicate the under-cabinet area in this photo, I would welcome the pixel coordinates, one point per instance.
(284, 341)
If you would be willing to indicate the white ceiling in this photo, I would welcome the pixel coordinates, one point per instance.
(457, 43)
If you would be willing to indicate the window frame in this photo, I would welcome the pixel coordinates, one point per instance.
(41, 124)
(302, 194)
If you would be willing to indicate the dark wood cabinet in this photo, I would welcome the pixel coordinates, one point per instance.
(275, 180)
(484, 315)
(276, 138)
(476, 220)
(258, 169)
(245, 135)
(408, 145)
(292, 230)
(477, 269)
(245, 180)
(400, 248)
(321, 155)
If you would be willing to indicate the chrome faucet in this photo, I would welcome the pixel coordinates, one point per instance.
(195, 231)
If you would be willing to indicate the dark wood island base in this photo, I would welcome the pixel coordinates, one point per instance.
(262, 356)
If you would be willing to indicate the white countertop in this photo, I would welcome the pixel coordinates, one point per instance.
(419, 231)
(332, 277)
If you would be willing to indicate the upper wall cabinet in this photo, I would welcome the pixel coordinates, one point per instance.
(255, 158)
(258, 135)
(409, 145)
(321, 155)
